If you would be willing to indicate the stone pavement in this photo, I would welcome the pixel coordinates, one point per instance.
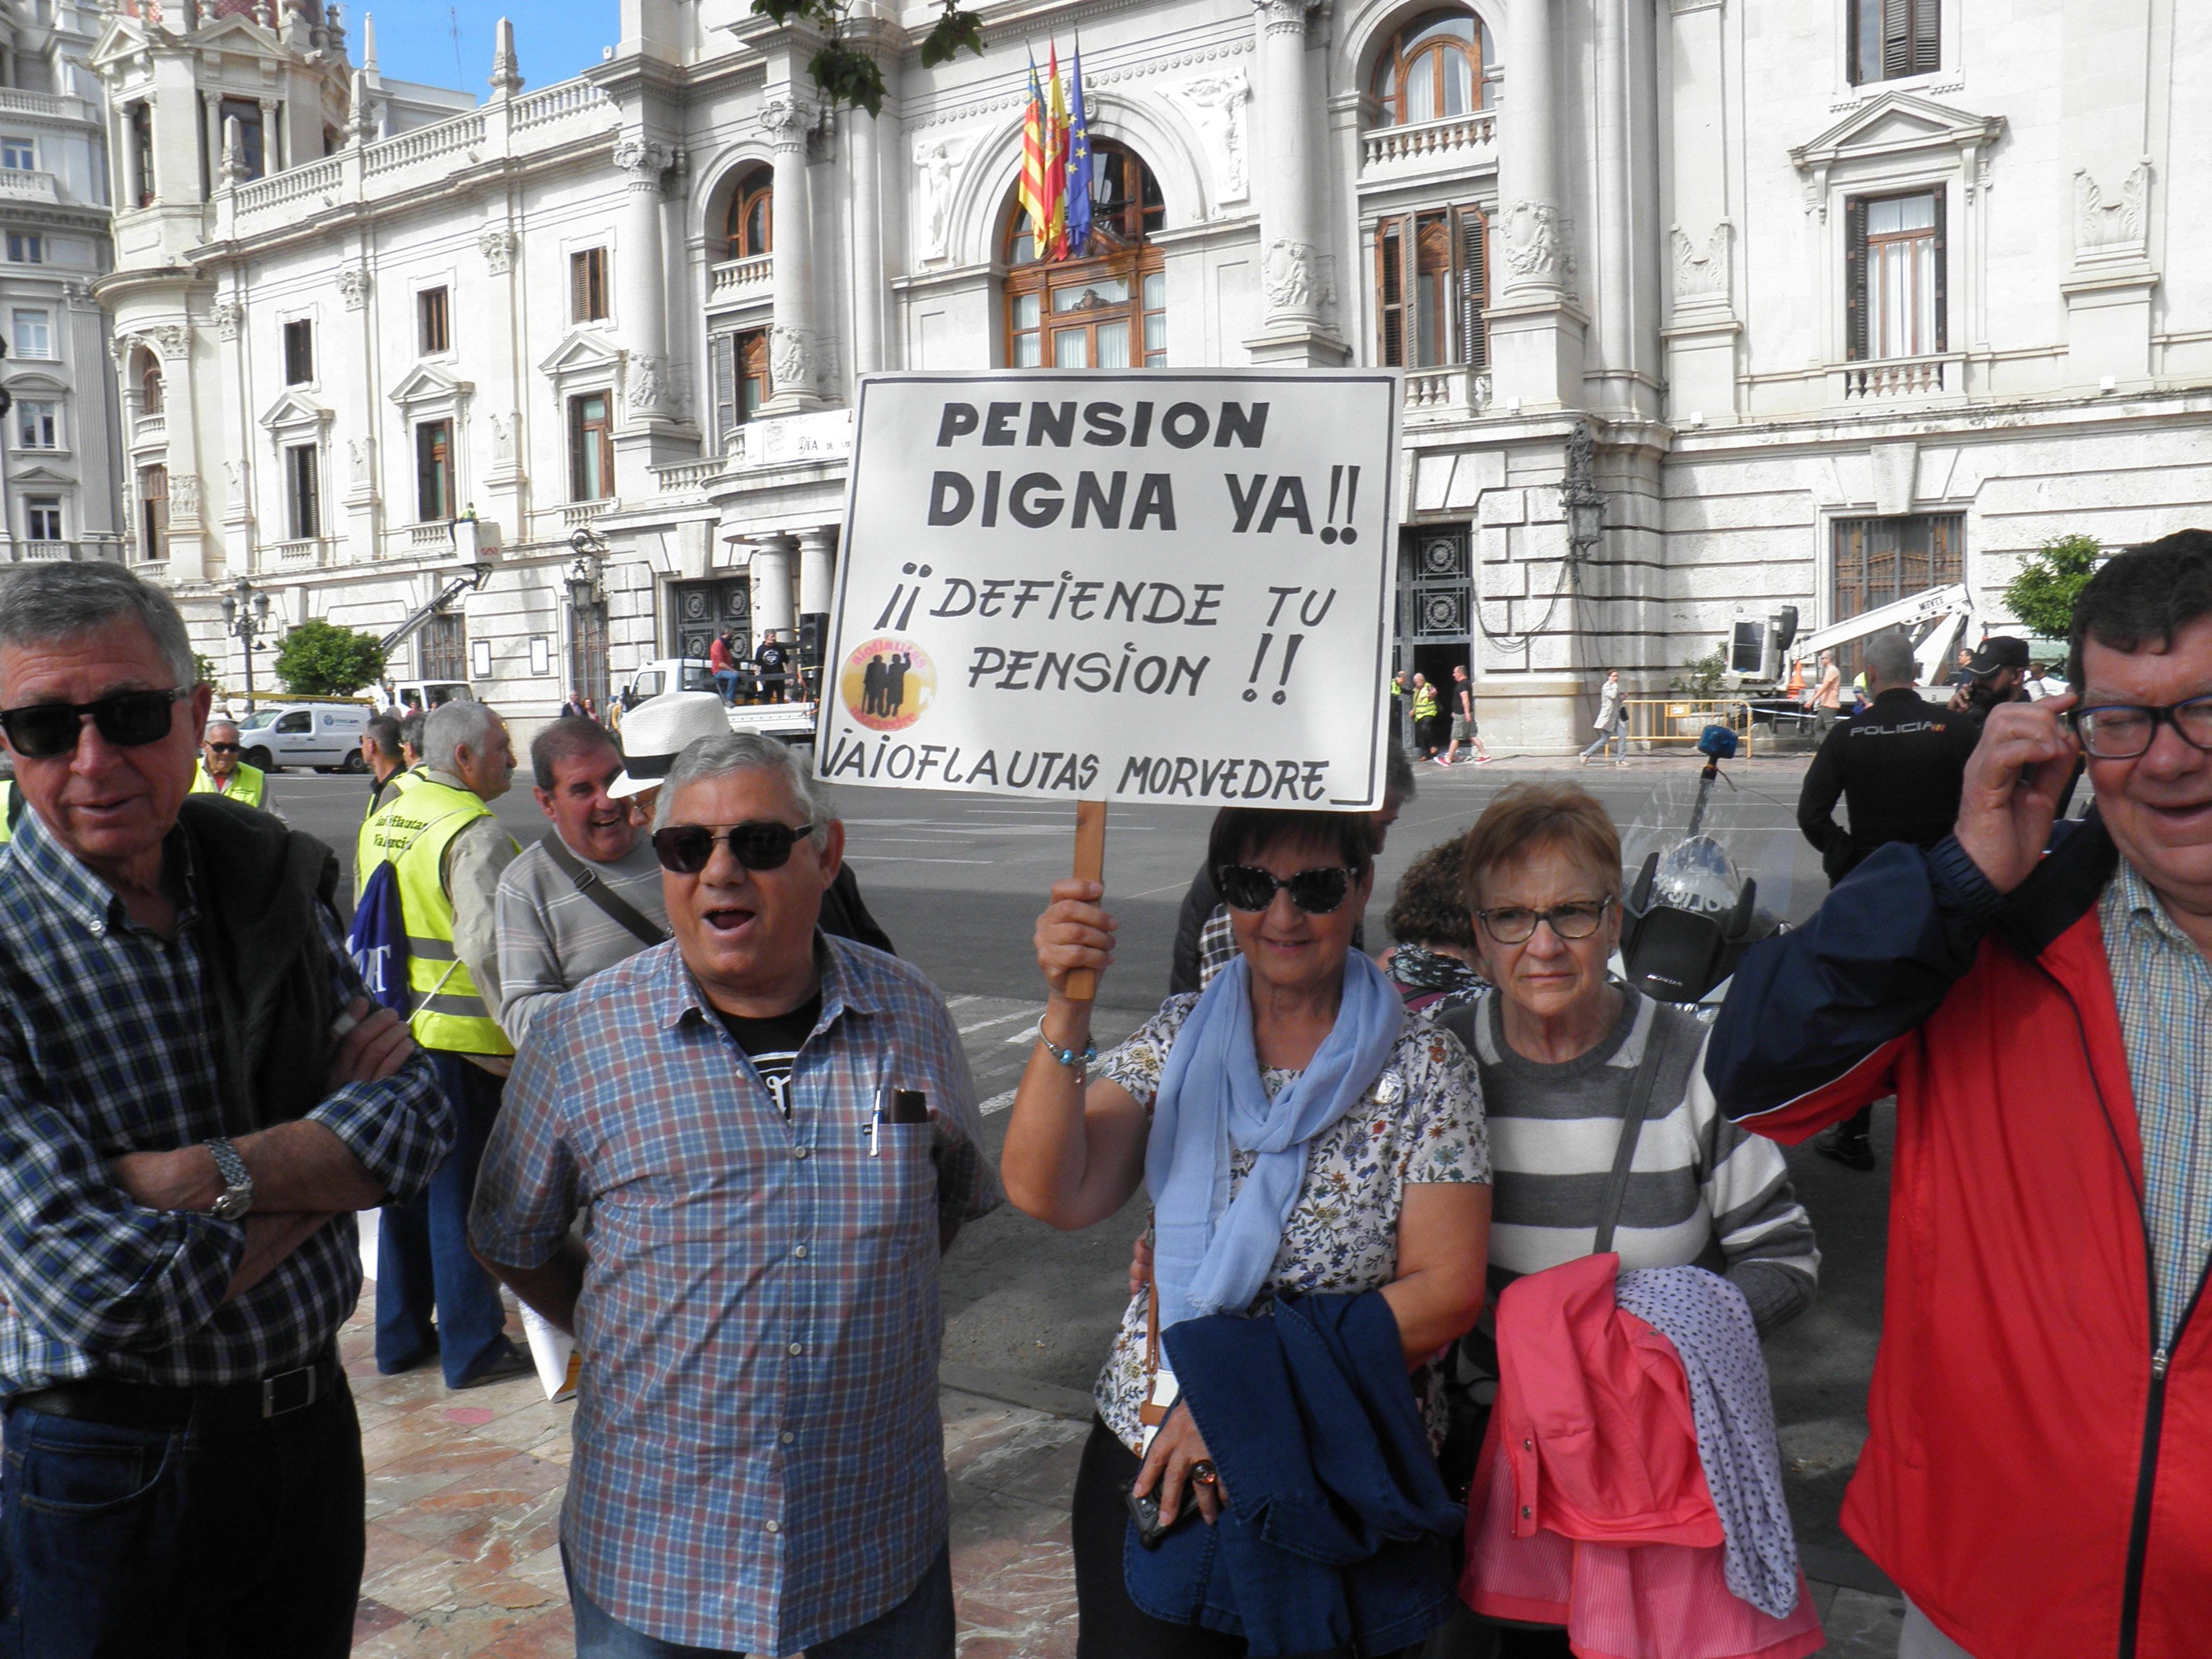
(464, 1500)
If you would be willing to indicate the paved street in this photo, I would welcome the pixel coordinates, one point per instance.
(957, 881)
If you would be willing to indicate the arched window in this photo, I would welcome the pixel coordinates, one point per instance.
(149, 368)
(750, 228)
(1433, 69)
(1108, 309)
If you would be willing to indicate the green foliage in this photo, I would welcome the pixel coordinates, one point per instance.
(845, 75)
(2042, 595)
(1702, 678)
(204, 669)
(321, 659)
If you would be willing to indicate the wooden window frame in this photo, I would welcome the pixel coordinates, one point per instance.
(1395, 64)
(756, 189)
(738, 358)
(299, 351)
(434, 324)
(444, 652)
(433, 462)
(1400, 265)
(153, 512)
(151, 389)
(588, 285)
(1860, 289)
(1901, 38)
(590, 439)
(36, 506)
(303, 491)
(1124, 254)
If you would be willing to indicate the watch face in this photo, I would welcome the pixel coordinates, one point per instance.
(231, 1205)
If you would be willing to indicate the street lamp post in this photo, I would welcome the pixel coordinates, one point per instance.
(246, 616)
(1584, 501)
(586, 625)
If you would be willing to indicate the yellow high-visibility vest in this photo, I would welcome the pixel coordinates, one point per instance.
(413, 829)
(245, 784)
(7, 811)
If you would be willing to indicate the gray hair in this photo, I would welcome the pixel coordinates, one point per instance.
(62, 601)
(1889, 658)
(220, 722)
(458, 724)
(747, 751)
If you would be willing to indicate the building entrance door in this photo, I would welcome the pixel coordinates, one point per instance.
(702, 609)
(1436, 602)
(588, 652)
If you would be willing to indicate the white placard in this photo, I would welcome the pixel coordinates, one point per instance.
(1139, 586)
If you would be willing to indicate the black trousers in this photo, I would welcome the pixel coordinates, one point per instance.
(1109, 1624)
(124, 1543)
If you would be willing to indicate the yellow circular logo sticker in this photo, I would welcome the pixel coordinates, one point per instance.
(888, 683)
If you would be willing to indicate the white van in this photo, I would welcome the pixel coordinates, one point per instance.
(323, 735)
(407, 695)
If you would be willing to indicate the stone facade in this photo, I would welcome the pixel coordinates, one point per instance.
(1829, 334)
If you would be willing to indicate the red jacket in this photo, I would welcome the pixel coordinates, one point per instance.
(2037, 1479)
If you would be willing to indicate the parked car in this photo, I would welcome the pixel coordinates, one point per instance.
(409, 695)
(323, 735)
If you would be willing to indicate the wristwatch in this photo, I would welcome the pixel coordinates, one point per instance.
(237, 1182)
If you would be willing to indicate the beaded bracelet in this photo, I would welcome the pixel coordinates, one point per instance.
(1069, 1057)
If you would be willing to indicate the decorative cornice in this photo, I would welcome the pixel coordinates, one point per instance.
(1143, 69)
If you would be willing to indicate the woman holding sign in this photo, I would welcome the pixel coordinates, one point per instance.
(1312, 1154)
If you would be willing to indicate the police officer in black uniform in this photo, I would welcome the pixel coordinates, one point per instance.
(1898, 765)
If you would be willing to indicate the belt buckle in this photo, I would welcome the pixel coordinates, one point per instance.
(269, 1391)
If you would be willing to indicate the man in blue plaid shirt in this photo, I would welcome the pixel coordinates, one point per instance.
(759, 1464)
(194, 1097)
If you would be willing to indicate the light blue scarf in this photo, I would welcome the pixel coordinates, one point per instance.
(1211, 1254)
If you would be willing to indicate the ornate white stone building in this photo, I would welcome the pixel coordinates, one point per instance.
(1839, 298)
(59, 482)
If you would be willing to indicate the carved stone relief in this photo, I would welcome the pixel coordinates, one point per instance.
(937, 163)
(791, 358)
(498, 243)
(1287, 275)
(1531, 241)
(1219, 102)
(226, 315)
(2119, 222)
(353, 283)
(184, 495)
(647, 381)
(1701, 274)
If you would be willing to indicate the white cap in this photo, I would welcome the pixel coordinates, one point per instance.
(659, 730)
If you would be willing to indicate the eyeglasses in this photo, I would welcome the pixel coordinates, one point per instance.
(1316, 892)
(2124, 731)
(223, 748)
(129, 719)
(685, 848)
(1515, 924)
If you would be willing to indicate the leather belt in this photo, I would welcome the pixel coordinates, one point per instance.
(214, 1406)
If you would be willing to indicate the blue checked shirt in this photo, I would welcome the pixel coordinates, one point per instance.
(759, 1464)
(106, 1047)
(2163, 989)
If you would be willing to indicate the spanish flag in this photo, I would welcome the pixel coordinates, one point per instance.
(1030, 193)
(1055, 164)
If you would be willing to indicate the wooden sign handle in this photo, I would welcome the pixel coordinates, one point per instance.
(1089, 866)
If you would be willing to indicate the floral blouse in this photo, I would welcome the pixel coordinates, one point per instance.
(1424, 1123)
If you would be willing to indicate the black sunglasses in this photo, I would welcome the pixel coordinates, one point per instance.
(223, 748)
(129, 719)
(1317, 891)
(685, 848)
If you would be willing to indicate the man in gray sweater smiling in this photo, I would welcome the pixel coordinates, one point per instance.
(585, 897)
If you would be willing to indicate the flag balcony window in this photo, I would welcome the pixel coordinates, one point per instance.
(1108, 308)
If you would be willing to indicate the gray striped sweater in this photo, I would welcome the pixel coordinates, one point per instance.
(1702, 1191)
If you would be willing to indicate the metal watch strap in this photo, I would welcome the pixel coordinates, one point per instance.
(237, 1180)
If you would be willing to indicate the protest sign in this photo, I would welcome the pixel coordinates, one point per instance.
(1141, 587)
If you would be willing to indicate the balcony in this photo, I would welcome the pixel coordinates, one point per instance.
(577, 514)
(740, 279)
(1445, 394)
(1457, 143)
(29, 551)
(1894, 380)
(21, 184)
(150, 431)
(295, 556)
(685, 478)
(14, 101)
(436, 537)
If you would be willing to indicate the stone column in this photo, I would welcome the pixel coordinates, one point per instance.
(272, 138)
(1536, 329)
(640, 298)
(771, 568)
(1291, 275)
(817, 569)
(862, 154)
(790, 352)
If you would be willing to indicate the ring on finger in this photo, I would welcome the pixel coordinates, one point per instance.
(1204, 1472)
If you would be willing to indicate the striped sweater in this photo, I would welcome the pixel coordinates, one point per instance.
(1701, 1191)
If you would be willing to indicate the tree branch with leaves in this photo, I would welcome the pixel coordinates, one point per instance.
(844, 73)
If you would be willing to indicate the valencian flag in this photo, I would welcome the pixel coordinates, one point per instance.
(1030, 192)
(1055, 165)
(1079, 165)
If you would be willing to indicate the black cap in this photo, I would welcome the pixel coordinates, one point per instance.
(1995, 653)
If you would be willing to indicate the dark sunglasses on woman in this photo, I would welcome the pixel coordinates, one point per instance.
(1317, 891)
(685, 848)
(129, 719)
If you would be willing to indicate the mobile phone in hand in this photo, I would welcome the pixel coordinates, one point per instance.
(1145, 1512)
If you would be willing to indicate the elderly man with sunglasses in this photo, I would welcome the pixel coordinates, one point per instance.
(219, 771)
(2038, 996)
(775, 1133)
(193, 1097)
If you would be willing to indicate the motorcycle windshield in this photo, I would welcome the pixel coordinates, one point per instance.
(1743, 831)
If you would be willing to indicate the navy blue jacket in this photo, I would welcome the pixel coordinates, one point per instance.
(1336, 1538)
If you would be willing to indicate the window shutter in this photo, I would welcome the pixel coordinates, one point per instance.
(1474, 289)
(1896, 39)
(1942, 272)
(1927, 53)
(1855, 279)
(722, 361)
(1390, 239)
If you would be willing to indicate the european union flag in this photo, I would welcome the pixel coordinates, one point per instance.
(1079, 167)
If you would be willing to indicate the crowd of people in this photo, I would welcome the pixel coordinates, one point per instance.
(1441, 1335)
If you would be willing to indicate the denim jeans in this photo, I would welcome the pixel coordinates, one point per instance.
(919, 1627)
(158, 1544)
(725, 681)
(423, 1258)
(1617, 736)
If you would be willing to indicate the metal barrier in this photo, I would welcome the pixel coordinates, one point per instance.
(1654, 721)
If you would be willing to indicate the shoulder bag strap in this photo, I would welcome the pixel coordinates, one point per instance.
(1632, 1129)
(588, 883)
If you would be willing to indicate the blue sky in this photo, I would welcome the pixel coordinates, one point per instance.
(554, 39)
